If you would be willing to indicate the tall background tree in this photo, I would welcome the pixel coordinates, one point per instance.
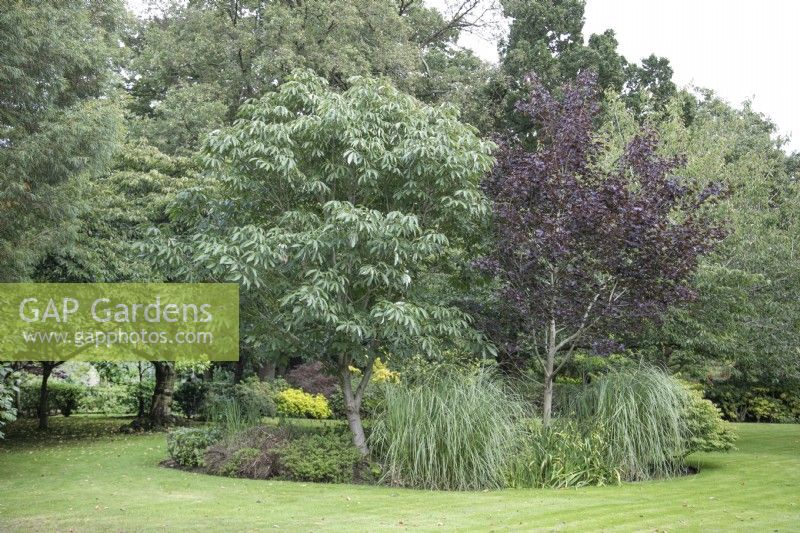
(742, 327)
(119, 208)
(195, 63)
(546, 37)
(59, 124)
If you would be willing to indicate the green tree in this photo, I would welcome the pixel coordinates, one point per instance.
(743, 320)
(649, 86)
(114, 214)
(546, 38)
(197, 62)
(334, 208)
(57, 125)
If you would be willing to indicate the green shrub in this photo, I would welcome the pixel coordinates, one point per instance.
(241, 460)
(449, 430)
(29, 397)
(296, 403)
(640, 413)
(767, 409)
(253, 396)
(259, 395)
(743, 402)
(187, 446)
(140, 396)
(62, 396)
(107, 399)
(329, 457)
(562, 456)
(190, 396)
(706, 431)
(66, 397)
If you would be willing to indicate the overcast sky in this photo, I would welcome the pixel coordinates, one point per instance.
(739, 48)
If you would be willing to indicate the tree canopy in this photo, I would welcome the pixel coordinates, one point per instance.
(585, 252)
(58, 125)
(332, 207)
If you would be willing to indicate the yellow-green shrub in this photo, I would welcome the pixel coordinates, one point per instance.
(380, 373)
(383, 374)
(296, 403)
(706, 431)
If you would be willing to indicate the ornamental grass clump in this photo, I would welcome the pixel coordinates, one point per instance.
(233, 415)
(451, 430)
(641, 415)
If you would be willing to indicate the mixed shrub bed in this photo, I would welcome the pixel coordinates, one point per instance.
(271, 452)
(462, 428)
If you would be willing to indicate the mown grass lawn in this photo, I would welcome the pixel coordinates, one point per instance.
(112, 482)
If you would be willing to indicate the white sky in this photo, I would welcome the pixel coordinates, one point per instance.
(739, 48)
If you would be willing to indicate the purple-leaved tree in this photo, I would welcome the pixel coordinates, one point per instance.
(585, 252)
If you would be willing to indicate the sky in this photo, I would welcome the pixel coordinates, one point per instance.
(742, 49)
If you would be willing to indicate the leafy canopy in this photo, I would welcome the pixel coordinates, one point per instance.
(743, 322)
(585, 250)
(330, 208)
(57, 125)
(197, 62)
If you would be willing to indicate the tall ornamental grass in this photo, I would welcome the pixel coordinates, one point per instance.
(452, 430)
(232, 415)
(640, 413)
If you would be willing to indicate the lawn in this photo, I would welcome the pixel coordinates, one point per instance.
(108, 481)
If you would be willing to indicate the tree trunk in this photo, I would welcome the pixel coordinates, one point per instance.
(266, 371)
(352, 404)
(44, 407)
(238, 370)
(547, 406)
(140, 403)
(161, 408)
(547, 410)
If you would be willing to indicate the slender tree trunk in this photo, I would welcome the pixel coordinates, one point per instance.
(18, 400)
(140, 411)
(352, 401)
(44, 407)
(547, 410)
(547, 407)
(18, 392)
(161, 408)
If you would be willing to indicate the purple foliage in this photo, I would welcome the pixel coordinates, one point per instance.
(605, 347)
(312, 378)
(570, 237)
